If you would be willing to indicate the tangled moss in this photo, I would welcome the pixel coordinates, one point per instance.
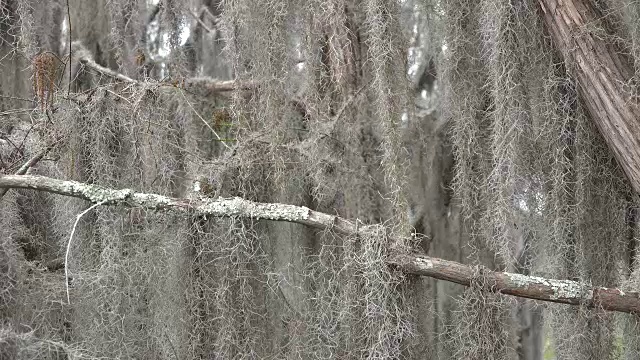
(321, 128)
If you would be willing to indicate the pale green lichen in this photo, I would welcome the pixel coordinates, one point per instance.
(153, 200)
(240, 207)
(279, 211)
(220, 207)
(562, 289)
(95, 193)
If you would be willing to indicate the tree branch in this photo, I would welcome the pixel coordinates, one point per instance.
(205, 83)
(532, 287)
(197, 18)
(88, 62)
(31, 163)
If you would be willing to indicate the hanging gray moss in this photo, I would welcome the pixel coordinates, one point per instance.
(321, 126)
(532, 161)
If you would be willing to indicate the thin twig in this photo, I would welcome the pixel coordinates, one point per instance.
(197, 17)
(120, 96)
(175, 353)
(205, 122)
(66, 255)
(69, 21)
(17, 98)
(15, 111)
(215, 19)
(347, 102)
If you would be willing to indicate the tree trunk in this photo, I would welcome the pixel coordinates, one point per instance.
(603, 75)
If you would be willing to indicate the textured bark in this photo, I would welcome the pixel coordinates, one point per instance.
(532, 287)
(602, 72)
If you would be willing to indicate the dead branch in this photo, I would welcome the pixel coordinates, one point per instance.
(532, 287)
(31, 163)
(215, 86)
(205, 83)
(197, 18)
(106, 71)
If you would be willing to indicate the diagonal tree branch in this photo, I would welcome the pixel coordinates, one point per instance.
(31, 163)
(532, 287)
(205, 83)
(88, 62)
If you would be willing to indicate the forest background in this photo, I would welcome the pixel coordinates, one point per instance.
(287, 179)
